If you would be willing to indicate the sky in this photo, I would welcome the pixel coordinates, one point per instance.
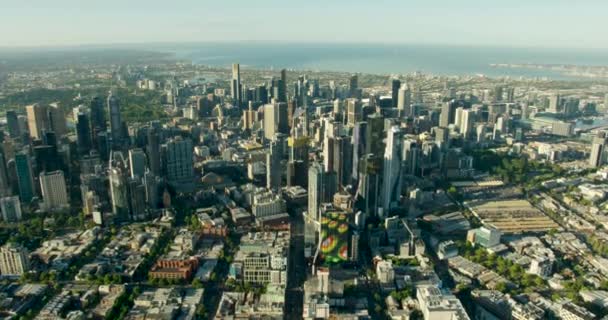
(522, 23)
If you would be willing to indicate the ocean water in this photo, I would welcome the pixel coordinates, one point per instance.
(387, 58)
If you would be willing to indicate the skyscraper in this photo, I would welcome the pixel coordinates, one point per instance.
(153, 192)
(391, 190)
(236, 87)
(137, 163)
(374, 134)
(368, 189)
(54, 192)
(136, 191)
(118, 186)
(98, 115)
(359, 145)
(404, 101)
(448, 114)
(283, 96)
(11, 209)
(13, 260)
(315, 184)
(554, 104)
(178, 161)
(598, 150)
(83, 133)
(467, 120)
(23, 168)
(56, 118)
(353, 86)
(275, 119)
(337, 155)
(396, 84)
(354, 111)
(12, 122)
(411, 155)
(5, 187)
(37, 120)
(115, 121)
(273, 163)
(153, 149)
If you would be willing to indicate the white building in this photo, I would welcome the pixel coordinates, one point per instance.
(13, 260)
(437, 305)
(267, 204)
(385, 272)
(54, 193)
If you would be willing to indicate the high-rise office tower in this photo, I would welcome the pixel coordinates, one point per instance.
(249, 117)
(297, 166)
(261, 94)
(11, 209)
(116, 129)
(297, 173)
(118, 186)
(467, 120)
(178, 160)
(137, 163)
(353, 86)
(273, 163)
(5, 186)
(12, 122)
(597, 157)
(391, 190)
(83, 133)
(98, 115)
(152, 184)
(54, 192)
(315, 190)
(570, 107)
(368, 189)
(283, 89)
(396, 84)
(448, 114)
(343, 158)
(14, 260)
(481, 132)
(499, 128)
(404, 101)
(136, 191)
(275, 119)
(359, 144)
(442, 137)
(37, 120)
(56, 119)
(554, 104)
(23, 168)
(282, 118)
(354, 112)
(458, 117)
(321, 188)
(510, 94)
(410, 156)
(374, 134)
(277, 90)
(498, 91)
(153, 149)
(236, 86)
(292, 106)
(328, 152)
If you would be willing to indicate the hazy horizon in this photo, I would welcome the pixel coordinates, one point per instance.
(519, 23)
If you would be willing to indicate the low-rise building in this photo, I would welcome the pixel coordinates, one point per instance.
(436, 304)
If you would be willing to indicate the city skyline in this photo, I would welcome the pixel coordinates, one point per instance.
(548, 24)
